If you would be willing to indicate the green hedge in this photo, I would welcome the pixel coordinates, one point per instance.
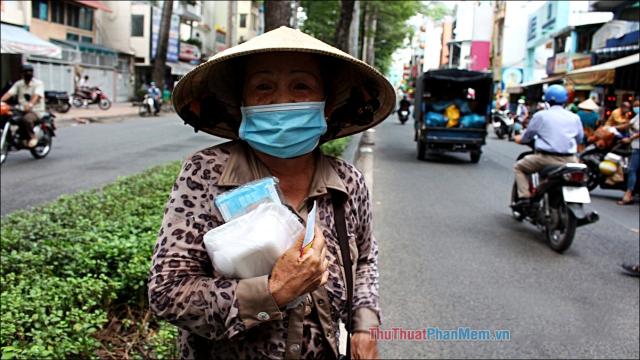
(335, 147)
(74, 272)
(70, 269)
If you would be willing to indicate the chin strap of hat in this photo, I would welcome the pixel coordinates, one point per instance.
(341, 229)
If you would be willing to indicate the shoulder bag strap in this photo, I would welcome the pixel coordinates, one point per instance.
(343, 240)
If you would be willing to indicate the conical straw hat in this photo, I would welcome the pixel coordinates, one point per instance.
(588, 104)
(209, 97)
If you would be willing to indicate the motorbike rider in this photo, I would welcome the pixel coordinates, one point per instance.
(155, 93)
(30, 92)
(404, 103)
(556, 132)
(85, 90)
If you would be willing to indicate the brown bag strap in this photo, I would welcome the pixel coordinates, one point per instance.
(343, 240)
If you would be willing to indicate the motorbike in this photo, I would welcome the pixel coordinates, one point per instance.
(557, 203)
(57, 101)
(403, 115)
(147, 106)
(593, 157)
(503, 123)
(100, 98)
(11, 137)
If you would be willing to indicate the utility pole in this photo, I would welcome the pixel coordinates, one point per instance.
(232, 39)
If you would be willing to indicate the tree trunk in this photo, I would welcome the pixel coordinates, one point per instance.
(341, 36)
(294, 15)
(276, 14)
(160, 61)
(371, 35)
(354, 30)
(365, 31)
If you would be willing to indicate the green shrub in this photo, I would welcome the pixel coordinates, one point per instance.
(68, 264)
(335, 147)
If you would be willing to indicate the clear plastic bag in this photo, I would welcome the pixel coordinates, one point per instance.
(248, 246)
(241, 200)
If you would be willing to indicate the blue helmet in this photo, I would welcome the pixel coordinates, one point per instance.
(556, 93)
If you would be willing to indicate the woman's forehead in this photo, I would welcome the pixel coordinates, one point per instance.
(282, 62)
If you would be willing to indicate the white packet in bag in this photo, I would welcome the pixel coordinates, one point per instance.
(248, 246)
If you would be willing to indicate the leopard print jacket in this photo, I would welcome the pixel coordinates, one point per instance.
(220, 317)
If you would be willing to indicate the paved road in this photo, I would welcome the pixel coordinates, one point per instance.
(89, 156)
(451, 255)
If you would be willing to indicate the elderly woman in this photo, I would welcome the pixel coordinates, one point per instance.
(277, 96)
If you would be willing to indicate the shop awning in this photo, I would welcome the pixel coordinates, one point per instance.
(542, 81)
(601, 74)
(16, 40)
(180, 68)
(98, 5)
(86, 47)
(514, 89)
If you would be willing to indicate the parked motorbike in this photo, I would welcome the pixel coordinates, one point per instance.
(598, 162)
(403, 115)
(100, 98)
(57, 101)
(502, 122)
(557, 203)
(11, 138)
(147, 106)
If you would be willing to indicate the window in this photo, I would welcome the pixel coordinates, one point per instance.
(87, 39)
(57, 12)
(73, 37)
(532, 28)
(137, 25)
(243, 20)
(73, 15)
(86, 19)
(40, 9)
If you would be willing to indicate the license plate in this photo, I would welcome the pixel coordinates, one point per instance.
(576, 194)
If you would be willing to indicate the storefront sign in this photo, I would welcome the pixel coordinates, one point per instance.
(581, 62)
(512, 77)
(550, 66)
(561, 64)
(189, 52)
(174, 34)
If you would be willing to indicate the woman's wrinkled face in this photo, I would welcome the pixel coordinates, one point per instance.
(283, 77)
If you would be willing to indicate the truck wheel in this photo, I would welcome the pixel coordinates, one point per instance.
(475, 156)
(422, 150)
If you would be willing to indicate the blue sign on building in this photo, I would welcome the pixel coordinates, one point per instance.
(173, 49)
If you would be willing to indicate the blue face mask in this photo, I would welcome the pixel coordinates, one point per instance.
(635, 109)
(283, 130)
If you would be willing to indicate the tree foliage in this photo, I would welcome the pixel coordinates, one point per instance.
(392, 29)
(322, 18)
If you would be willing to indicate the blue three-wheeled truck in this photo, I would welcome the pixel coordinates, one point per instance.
(451, 111)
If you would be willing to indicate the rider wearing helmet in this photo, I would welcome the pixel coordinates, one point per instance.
(30, 92)
(556, 133)
(156, 95)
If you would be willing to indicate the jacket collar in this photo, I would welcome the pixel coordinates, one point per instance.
(243, 166)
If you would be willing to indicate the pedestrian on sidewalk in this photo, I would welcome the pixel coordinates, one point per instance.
(278, 97)
(634, 160)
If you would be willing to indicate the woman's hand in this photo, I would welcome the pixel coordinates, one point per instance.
(294, 275)
(363, 346)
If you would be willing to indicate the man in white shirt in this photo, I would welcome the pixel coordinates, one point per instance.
(30, 92)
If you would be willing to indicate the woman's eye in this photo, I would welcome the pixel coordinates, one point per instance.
(301, 86)
(263, 87)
